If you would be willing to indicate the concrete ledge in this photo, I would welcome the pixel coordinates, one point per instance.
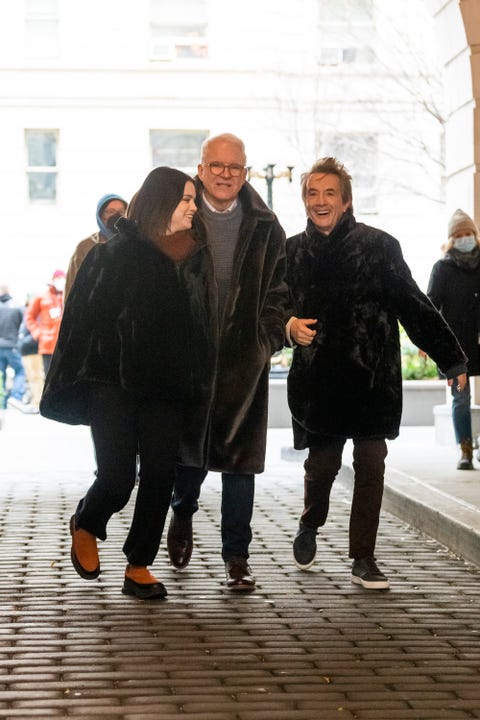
(444, 433)
(452, 522)
(419, 399)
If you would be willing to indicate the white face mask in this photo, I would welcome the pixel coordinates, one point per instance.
(465, 244)
(59, 284)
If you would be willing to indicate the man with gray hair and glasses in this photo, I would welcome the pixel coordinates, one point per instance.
(227, 433)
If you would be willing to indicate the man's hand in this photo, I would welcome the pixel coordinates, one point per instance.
(460, 380)
(300, 331)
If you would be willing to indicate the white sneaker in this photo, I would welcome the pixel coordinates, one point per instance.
(30, 409)
(23, 407)
(14, 403)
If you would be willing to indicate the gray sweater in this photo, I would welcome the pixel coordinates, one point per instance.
(222, 233)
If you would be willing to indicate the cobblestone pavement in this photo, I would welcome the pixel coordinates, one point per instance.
(304, 646)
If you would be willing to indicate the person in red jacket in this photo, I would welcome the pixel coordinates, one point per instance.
(44, 315)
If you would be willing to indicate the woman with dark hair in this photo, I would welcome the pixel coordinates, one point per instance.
(131, 357)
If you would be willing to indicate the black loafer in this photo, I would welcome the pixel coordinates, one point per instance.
(144, 592)
(180, 541)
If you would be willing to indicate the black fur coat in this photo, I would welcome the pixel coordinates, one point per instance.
(136, 318)
(454, 288)
(348, 382)
(227, 432)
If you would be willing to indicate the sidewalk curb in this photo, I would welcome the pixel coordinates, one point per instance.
(452, 522)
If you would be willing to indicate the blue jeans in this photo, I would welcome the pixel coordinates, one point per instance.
(461, 415)
(9, 357)
(238, 491)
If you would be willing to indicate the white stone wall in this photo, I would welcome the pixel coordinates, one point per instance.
(260, 81)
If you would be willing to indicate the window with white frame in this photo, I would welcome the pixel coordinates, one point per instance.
(41, 29)
(41, 152)
(178, 30)
(346, 31)
(359, 153)
(177, 148)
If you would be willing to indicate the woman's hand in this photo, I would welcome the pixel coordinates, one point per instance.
(461, 381)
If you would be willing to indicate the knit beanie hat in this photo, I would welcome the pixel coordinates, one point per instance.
(461, 221)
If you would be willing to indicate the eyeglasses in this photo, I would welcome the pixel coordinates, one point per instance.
(217, 168)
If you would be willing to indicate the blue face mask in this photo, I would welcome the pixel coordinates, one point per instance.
(465, 244)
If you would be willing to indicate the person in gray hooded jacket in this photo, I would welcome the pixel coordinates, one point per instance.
(109, 208)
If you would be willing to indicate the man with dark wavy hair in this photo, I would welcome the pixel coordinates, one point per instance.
(349, 287)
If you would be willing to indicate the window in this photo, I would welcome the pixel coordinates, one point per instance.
(41, 147)
(178, 30)
(346, 31)
(177, 148)
(41, 29)
(346, 12)
(359, 153)
(345, 55)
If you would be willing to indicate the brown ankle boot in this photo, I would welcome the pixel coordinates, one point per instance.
(465, 462)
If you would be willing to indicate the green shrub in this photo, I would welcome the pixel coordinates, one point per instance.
(415, 367)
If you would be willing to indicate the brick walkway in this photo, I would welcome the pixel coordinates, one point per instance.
(304, 646)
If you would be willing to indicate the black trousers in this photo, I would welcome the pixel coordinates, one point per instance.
(321, 467)
(121, 427)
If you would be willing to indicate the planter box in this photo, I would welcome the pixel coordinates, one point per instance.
(419, 399)
(444, 433)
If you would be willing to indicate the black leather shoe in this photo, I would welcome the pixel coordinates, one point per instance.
(142, 591)
(239, 575)
(180, 541)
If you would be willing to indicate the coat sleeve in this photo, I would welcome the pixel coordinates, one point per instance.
(422, 321)
(435, 286)
(31, 314)
(274, 312)
(89, 305)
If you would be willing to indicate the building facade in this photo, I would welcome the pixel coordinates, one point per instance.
(93, 96)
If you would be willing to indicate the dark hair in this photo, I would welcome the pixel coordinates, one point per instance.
(330, 166)
(154, 203)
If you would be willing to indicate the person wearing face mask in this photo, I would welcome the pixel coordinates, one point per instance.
(131, 360)
(454, 288)
(110, 208)
(44, 315)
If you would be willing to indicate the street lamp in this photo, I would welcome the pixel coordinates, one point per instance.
(269, 176)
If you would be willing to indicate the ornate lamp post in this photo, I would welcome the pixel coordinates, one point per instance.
(269, 176)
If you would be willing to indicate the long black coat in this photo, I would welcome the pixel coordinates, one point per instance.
(348, 382)
(228, 431)
(136, 319)
(454, 288)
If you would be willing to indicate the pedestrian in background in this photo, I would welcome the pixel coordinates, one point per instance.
(33, 364)
(109, 209)
(454, 288)
(11, 317)
(44, 315)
